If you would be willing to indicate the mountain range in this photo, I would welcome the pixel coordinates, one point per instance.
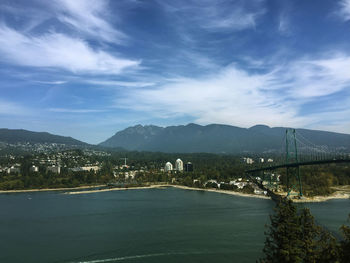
(217, 138)
(22, 136)
(192, 138)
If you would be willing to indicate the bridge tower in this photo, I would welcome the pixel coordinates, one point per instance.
(293, 173)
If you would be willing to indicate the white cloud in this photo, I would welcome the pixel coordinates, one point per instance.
(55, 50)
(216, 15)
(10, 108)
(115, 83)
(314, 78)
(345, 9)
(235, 96)
(284, 25)
(57, 82)
(89, 17)
(63, 110)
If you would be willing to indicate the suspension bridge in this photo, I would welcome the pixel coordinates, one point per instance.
(299, 151)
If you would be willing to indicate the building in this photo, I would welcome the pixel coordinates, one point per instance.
(34, 169)
(248, 160)
(179, 165)
(189, 167)
(13, 170)
(270, 160)
(89, 168)
(54, 169)
(261, 160)
(168, 167)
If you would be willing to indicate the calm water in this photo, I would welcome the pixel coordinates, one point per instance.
(149, 225)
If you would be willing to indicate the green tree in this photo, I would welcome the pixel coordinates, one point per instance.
(283, 240)
(345, 243)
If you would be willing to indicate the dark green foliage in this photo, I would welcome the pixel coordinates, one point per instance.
(345, 244)
(248, 189)
(211, 185)
(293, 236)
(283, 242)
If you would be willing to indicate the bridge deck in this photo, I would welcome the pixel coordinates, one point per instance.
(273, 167)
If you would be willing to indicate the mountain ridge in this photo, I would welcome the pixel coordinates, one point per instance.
(22, 136)
(216, 138)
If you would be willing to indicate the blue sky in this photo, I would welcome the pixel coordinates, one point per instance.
(87, 68)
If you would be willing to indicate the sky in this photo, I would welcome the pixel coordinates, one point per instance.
(88, 69)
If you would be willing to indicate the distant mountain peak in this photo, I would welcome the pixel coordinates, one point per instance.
(214, 138)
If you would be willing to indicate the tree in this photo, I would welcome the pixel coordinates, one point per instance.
(294, 237)
(283, 238)
(345, 244)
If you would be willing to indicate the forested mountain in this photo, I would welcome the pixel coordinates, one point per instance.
(22, 136)
(217, 138)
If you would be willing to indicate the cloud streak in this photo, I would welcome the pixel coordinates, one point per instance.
(238, 97)
(87, 16)
(345, 9)
(216, 15)
(56, 50)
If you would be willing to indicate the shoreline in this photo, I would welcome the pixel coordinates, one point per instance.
(318, 199)
(50, 189)
(71, 191)
(117, 189)
(170, 185)
(220, 191)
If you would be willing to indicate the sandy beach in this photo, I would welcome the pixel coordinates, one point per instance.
(342, 192)
(337, 195)
(50, 189)
(168, 185)
(117, 189)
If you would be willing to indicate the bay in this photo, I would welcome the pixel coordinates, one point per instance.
(148, 225)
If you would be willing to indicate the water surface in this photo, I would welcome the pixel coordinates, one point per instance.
(148, 225)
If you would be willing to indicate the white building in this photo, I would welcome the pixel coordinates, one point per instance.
(261, 160)
(34, 169)
(239, 183)
(94, 168)
(54, 169)
(168, 167)
(248, 160)
(179, 165)
(13, 170)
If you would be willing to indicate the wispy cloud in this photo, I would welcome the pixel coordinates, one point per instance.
(239, 97)
(56, 50)
(89, 17)
(344, 11)
(64, 110)
(116, 83)
(284, 25)
(216, 15)
(11, 108)
(57, 82)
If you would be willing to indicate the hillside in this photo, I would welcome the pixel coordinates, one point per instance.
(216, 138)
(16, 136)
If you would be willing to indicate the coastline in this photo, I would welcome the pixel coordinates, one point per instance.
(340, 194)
(170, 185)
(117, 189)
(317, 199)
(50, 189)
(220, 191)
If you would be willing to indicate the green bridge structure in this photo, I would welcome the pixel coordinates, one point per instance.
(299, 151)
